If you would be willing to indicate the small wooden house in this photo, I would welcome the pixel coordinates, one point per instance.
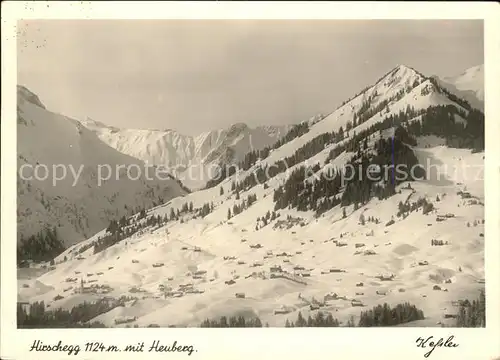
(356, 303)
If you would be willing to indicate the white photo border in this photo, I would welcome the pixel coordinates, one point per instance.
(265, 343)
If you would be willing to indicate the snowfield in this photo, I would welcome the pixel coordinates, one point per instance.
(397, 251)
(189, 270)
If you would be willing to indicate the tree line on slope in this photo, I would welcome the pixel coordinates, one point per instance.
(43, 246)
(470, 314)
(393, 152)
(323, 192)
(239, 208)
(253, 156)
(233, 322)
(442, 121)
(38, 316)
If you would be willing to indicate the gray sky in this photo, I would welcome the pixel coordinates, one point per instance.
(198, 75)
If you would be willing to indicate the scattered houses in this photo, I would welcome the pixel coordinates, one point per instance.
(282, 310)
(386, 277)
(276, 268)
(330, 296)
(334, 270)
(256, 246)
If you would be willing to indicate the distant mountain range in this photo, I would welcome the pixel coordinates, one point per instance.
(188, 157)
(469, 85)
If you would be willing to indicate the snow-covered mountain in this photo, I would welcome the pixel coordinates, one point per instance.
(189, 157)
(76, 204)
(469, 85)
(282, 235)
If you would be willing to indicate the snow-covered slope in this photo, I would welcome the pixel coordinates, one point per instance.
(76, 204)
(192, 266)
(188, 156)
(469, 85)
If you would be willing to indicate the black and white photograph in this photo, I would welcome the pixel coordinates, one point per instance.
(251, 173)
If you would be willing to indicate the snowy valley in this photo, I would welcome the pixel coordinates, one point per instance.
(286, 231)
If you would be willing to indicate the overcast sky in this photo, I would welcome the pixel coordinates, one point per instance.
(198, 75)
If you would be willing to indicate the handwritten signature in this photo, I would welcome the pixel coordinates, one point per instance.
(430, 343)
